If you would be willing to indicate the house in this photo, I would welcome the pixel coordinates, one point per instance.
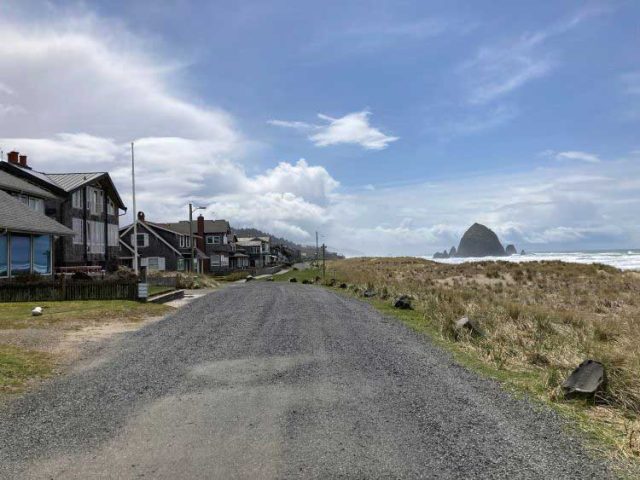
(258, 249)
(216, 241)
(160, 247)
(87, 203)
(27, 235)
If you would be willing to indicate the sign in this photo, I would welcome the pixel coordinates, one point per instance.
(143, 290)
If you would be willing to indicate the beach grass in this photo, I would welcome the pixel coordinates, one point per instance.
(541, 319)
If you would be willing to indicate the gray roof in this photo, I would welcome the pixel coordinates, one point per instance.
(17, 217)
(71, 181)
(12, 183)
(210, 226)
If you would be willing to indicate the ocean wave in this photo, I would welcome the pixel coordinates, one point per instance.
(629, 260)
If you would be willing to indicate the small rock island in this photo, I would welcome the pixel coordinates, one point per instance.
(478, 241)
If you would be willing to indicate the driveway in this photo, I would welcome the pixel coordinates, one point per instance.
(280, 380)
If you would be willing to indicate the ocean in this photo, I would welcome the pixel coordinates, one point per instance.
(622, 259)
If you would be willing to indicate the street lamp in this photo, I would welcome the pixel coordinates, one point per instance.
(191, 210)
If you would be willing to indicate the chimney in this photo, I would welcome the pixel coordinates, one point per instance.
(200, 241)
(23, 160)
(13, 157)
(141, 216)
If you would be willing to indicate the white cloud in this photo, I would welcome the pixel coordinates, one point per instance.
(353, 128)
(577, 155)
(500, 69)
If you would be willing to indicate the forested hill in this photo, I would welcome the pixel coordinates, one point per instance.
(310, 250)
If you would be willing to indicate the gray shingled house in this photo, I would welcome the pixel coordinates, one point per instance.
(87, 203)
(160, 247)
(27, 235)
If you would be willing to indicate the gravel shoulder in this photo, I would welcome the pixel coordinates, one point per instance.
(278, 380)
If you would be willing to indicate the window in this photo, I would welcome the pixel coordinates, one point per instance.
(180, 266)
(111, 207)
(95, 236)
(214, 240)
(215, 261)
(113, 234)
(142, 240)
(36, 204)
(185, 241)
(4, 255)
(76, 199)
(20, 254)
(42, 254)
(153, 263)
(78, 228)
(96, 201)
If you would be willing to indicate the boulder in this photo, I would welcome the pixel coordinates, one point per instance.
(36, 312)
(293, 280)
(465, 323)
(249, 278)
(343, 285)
(523, 252)
(306, 282)
(332, 282)
(511, 249)
(403, 302)
(586, 379)
(369, 293)
(480, 241)
(453, 252)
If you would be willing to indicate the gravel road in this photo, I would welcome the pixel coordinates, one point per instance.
(280, 380)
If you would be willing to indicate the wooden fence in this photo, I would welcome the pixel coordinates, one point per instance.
(68, 291)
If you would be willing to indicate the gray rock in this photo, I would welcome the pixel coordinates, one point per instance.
(467, 324)
(293, 280)
(480, 241)
(511, 249)
(369, 293)
(453, 252)
(403, 302)
(586, 379)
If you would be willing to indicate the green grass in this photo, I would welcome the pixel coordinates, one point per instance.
(17, 366)
(309, 274)
(18, 314)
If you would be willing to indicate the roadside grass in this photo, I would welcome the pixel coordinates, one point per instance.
(309, 274)
(18, 314)
(541, 320)
(232, 277)
(18, 365)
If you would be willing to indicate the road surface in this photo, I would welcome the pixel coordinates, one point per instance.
(280, 380)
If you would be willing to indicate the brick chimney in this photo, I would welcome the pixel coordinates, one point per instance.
(141, 216)
(200, 241)
(23, 160)
(13, 157)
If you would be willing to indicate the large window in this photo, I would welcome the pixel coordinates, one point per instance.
(4, 256)
(78, 229)
(180, 265)
(42, 254)
(76, 199)
(20, 254)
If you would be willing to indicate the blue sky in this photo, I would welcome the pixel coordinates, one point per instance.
(414, 119)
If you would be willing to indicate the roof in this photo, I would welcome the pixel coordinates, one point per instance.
(61, 183)
(13, 183)
(249, 243)
(210, 226)
(71, 181)
(249, 239)
(17, 217)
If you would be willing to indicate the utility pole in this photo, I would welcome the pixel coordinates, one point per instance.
(135, 212)
(317, 253)
(324, 269)
(191, 235)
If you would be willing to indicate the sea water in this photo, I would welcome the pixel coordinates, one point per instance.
(622, 259)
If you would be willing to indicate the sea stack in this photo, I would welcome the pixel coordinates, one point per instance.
(511, 249)
(453, 252)
(480, 241)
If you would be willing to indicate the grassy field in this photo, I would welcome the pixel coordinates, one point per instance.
(18, 365)
(541, 320)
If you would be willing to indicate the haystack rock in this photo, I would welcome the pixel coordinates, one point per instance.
(452, 252)
(511, 249)
(442, 254)
(480, 241)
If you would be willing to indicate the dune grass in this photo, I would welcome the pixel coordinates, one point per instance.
(541, 320)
